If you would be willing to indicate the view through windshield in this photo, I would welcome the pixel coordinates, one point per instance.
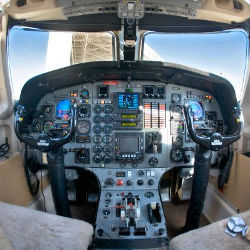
(32, 52)
(221, 53)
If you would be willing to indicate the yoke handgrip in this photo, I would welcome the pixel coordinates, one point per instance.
(44, 142)
(215, 142)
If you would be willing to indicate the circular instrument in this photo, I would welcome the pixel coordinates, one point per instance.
(97, 139)
(107, 119)
(98, 109)
(97, 158)
(107, 139)
(176, 112)
(107, 159)
(177, 155)
(97, 119)
(107, 149)
(97, 149)
(176, 98)
(107, 129)
(83, 127)
(107, 109)
(97, 129)
(84, 94)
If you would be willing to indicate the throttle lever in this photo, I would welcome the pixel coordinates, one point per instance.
(215, 142)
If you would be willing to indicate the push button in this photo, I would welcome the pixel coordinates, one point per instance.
(119, 182)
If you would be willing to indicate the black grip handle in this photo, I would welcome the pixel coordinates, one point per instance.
(44, 142)
(215, 142)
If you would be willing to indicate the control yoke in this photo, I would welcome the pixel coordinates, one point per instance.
(215, 142)
(44, 142)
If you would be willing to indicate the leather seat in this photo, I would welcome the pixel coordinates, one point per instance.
(24, 228)
(212, 236)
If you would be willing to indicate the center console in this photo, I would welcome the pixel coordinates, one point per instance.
(130, 206)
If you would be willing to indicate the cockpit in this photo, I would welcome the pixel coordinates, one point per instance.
(133, 145)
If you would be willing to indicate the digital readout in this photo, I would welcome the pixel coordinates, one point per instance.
(129, 124)
(120, 174)
(129, 116)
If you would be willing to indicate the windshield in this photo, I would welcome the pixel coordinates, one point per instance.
(32, 52)
(221, 53)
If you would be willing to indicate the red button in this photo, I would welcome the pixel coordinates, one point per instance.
(119, 182)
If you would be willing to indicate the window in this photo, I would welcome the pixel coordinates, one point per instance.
(221, 53)
(32, 52)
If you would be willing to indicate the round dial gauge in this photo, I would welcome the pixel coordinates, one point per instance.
(176, 112)
(97, 139)
(97, 129)
(97, 149)
(108, 109)
(107, 159)
(97, 158)
(97, 119)
(83, 127)
(107, 149)
(98, 109)
(107, 139)
(107, 129)
(176, 98)
(107, 119)
(84, 94)
(177, 155)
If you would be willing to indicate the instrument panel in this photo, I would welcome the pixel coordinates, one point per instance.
(129, 125)
(129, 135)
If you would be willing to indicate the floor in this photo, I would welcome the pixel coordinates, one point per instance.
(175, 214)
(238, 186)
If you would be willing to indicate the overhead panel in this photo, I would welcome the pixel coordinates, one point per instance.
(131, 9)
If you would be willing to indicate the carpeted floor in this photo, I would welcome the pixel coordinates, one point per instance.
(175, 214)
(85, 213)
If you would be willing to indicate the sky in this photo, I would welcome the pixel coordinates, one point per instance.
(35, 52)
(222, 53)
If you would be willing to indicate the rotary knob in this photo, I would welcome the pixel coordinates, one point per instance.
(129, 182)
(140, 182)
(151, 182)
(109, 182)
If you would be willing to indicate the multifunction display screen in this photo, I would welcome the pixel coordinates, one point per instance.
(128, 101)
(63, 109)
(128, 144)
